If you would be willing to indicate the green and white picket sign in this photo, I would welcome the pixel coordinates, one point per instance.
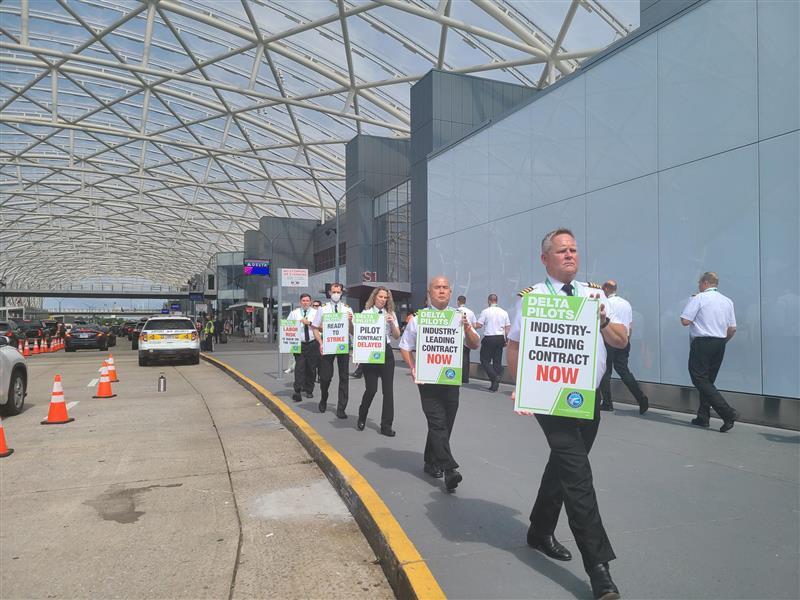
(335, 333)
(440, 346)
(369, 338)
(290, 336)
(557, 355)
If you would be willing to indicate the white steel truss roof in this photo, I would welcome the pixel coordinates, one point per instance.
(139, 138)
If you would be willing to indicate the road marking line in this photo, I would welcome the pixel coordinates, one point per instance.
(93, 383)
(71, 405)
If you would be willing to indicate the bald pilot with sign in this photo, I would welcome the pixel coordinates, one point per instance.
(439, 401)
(567, 478)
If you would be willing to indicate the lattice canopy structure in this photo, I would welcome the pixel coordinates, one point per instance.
(139, 138)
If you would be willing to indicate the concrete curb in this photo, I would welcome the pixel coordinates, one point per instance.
(406, 571)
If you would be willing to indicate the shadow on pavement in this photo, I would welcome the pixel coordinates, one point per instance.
(782, 439)
(472, 520)
(655, 417)
(407, 461)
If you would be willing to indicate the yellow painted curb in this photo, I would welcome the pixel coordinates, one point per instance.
(405, 569)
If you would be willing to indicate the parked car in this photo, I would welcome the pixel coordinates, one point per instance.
(12, 331)
(137, 329)
(13, 378)
(169, 337)
(86, 337)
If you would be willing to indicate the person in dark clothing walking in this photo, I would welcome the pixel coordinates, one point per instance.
(712, 323)
(381, 302)
(439, 401)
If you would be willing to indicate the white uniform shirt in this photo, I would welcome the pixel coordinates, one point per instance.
(711, 314)
(622, 308)
(409, 339)
(388, 326)
(329, 308)
(470, 315)
(297, 315)
(580, 289)
(494, 320)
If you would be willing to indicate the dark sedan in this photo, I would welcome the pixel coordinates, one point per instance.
(33, 332)
(12, 331)
(86, 337)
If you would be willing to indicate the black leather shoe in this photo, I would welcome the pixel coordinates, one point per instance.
(296, 397)
(549, 545)
(341, 414)
(323, 405)
(388, 432)
(603, 587)
(699, 422)
(727, 424)
(309, 395)
(607, 407)
(644, 405)
(451, 479)
(360, 424)
(434, 472)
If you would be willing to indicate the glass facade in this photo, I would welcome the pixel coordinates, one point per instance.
(392, 225)
(230, 273)
(663, 161)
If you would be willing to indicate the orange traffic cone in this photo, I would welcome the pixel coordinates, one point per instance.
(35, 347)
(45, 349)
(112, 370)
(4, 449)
(57, 415)
(26, 351)
(104, 386)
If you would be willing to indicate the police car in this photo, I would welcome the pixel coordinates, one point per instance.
(169, 336)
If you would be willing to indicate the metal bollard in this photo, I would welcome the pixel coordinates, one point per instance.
(162, 383)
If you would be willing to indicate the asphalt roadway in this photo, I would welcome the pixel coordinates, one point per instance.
(691, 512)
(197, 492)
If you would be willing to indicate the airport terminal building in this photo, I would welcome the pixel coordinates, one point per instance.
(665, 156)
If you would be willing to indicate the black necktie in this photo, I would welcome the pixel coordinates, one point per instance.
(336, 307)
(305, 326)
(380, 312)
(568, 289)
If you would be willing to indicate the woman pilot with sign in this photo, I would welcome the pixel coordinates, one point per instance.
(380, 301)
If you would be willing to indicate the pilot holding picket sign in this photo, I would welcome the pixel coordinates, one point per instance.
(437, 336)
(559, 340)
(333, 324)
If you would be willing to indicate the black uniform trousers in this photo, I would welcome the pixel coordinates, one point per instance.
(567, 480)
(440, 405)
(305, 366)
(326, 375)
(705, 359)
(618, 359)
(492, 355)
(371, 375)
(465, 365)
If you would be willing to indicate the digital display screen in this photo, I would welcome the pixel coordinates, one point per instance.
(256, 267)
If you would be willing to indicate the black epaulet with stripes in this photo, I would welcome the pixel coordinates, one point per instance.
(527, 290)
(592, 284)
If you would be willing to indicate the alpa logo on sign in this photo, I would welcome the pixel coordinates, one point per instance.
(575, 399)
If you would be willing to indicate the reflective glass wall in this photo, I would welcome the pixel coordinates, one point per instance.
(675, 155)
(230, 275)
(391, 239)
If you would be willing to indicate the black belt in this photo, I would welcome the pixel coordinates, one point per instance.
(308, 342)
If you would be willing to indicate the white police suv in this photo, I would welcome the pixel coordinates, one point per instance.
(169, 337)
